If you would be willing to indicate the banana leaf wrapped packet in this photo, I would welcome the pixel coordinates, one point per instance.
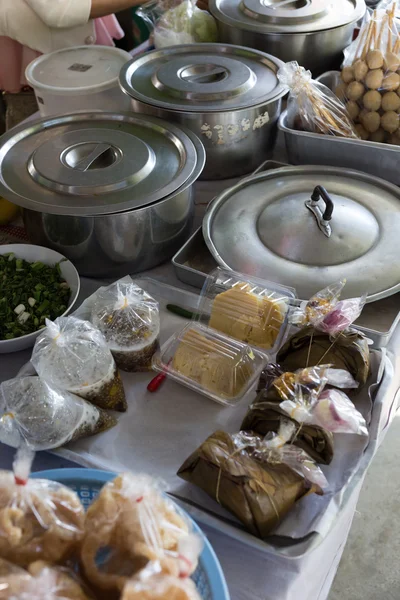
(257, 480)
(348, 350)
(326, 336)
(264, 417)
(294, 395)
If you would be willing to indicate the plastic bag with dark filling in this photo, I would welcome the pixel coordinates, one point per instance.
(348, 350)
(73, 355)
(257, 483)
(46, 417)
(129, 319)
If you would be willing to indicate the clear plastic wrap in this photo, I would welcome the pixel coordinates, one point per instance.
(179, 22)
(370, 78)
(327, 313)
(257, 480)
(245, 308)
(136, 524)
(41, 582)
(45, 417)
(39, 519)
(210, 363)
(312, 106)
(128, 318)
(153, 584)
(335, 412)
(73, 355)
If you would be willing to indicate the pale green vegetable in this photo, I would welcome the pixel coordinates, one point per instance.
(185, 24)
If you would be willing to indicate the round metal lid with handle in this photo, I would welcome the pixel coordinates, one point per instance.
(287, 16)
(308, 226)
(203, 78)
(96, 163)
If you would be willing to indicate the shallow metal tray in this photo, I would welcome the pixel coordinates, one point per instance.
(378, 321)
(303, 148)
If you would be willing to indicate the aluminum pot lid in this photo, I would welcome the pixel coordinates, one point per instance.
(309, 226)
(203, 78)
(96, 163)
(83, 68)
(287, 16)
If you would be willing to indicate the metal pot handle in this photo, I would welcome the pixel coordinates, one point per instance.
(322, 217)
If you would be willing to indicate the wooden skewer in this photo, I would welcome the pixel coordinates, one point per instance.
(362, 35)
(396, 48)
(368, 40)
(382, 28)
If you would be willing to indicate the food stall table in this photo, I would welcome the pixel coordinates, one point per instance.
(251, 573)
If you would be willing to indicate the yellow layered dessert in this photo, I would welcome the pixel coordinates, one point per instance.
(248, 317)
(214, 365)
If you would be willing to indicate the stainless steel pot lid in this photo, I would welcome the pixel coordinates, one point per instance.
(96, 163)
(281, 226)
(287, 16)
(203, 78)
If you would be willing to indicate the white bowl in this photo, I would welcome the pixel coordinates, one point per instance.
(48, 257)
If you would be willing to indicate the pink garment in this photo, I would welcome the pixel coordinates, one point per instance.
(15, 57)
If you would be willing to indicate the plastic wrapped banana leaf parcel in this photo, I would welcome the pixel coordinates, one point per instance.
(257, 480)
(326, 335)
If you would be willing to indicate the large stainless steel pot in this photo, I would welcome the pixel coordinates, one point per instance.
(111, 192)
(312, 32)
(229, 96)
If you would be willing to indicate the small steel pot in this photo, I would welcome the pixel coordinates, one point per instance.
(313, 33)
(228, 96)
(113, 193)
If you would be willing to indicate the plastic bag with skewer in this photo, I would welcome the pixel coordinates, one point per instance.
(312, 106)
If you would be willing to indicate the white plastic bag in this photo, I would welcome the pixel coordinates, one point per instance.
(73, 355)
(39, 519)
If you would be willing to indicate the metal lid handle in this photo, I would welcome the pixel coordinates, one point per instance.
(322, 218)
(87, 162)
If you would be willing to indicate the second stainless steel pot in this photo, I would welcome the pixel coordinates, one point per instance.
(314, 32)
(112, 192)
(227, 95)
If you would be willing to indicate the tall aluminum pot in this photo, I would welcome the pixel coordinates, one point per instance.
(313, 33)
(112, 245)
(228, 96)
(318, 52)
(112, 192)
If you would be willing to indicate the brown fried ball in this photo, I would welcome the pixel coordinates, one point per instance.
(390, 121)
(360, 68)
(374, 79)
(378, 136)
(355, 90)
(371, 121)
(353, 109)
(375, 59)
(391, 82)
(341, 90)
(372, 100)
(392, 61)
(347, 74)
(390, 101)
(362, 132)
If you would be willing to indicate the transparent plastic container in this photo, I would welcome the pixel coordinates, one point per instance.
(211, 363)
(248, 309)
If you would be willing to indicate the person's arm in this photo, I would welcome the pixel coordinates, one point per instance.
(102, 8)
(58, 14)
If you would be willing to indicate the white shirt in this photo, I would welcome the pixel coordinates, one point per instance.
(47, 25)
